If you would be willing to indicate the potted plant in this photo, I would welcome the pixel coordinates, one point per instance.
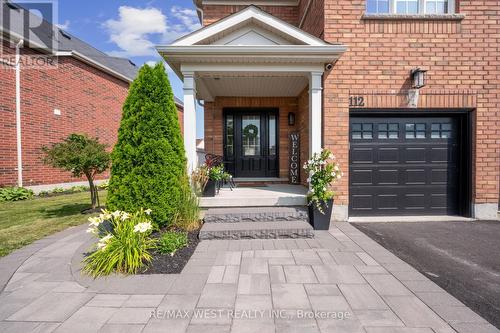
(323, 171)
(215, 175)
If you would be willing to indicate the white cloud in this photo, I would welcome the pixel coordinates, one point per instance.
(133, 30)
(186, 20)
(137, 30)
(187, 16)
(63, 26)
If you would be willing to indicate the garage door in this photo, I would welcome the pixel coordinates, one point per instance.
(403, 166)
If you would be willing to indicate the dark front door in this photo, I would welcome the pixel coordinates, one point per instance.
(404, 166)
(251, 142)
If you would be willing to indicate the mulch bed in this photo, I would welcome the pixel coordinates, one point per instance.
(167, 264)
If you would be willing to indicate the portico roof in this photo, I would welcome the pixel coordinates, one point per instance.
(249, 36)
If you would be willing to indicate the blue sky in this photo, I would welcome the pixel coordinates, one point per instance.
(131, 29)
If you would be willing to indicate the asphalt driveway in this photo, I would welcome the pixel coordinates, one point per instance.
(461, 257)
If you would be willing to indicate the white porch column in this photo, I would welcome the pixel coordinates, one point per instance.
(315, 107)
(190, 120)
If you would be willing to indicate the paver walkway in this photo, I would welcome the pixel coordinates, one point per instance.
(341, 281)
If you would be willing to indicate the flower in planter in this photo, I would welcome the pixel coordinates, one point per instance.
(143, 227)
(125, 245)
(323, 171)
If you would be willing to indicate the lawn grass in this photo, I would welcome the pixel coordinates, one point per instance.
(24, 222)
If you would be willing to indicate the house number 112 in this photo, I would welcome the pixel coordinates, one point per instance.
(356, 101)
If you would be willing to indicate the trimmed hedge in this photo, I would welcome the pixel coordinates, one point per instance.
(148, 162)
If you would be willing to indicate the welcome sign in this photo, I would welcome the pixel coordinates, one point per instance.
(294, 160)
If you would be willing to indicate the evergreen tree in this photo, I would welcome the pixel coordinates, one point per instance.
(148, 162)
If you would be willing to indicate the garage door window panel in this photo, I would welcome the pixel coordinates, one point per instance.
(441, 131)
(415, 131)
(362, 131)
(388, 131)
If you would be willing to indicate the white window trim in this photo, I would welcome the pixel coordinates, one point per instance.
(421, 8)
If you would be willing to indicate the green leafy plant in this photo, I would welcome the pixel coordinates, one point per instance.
(104, 185)
(82, 156)
(172, 241)
(216, 172)
(57, 190)
(323, 171)
(79, 188)
(149, 163)
(187, 216)
(43, 193)
(124, 243)
(15, 194)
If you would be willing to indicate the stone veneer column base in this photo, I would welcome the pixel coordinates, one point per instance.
(340, 213)
(487, 211)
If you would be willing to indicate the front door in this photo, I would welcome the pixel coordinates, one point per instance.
(251, 142)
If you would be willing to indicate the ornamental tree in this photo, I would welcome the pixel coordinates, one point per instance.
(148, 162)
(82, 156)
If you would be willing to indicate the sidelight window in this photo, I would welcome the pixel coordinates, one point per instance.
(229, 136)
(272, 135)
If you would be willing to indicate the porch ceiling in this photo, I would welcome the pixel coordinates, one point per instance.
(211, 85)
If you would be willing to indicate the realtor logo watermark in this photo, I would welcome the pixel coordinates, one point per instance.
(248, 314)
(33, 23)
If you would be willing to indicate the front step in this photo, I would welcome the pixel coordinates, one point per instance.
(256, 230)
(255, 214)
(256, 223)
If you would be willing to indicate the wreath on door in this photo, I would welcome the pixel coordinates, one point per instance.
(251, 131)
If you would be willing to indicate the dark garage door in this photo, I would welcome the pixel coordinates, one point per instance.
(403, 166)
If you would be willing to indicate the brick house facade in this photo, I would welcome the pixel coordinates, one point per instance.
(370, 84)
(82, 92)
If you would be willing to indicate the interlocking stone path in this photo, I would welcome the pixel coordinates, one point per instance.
(341, 281)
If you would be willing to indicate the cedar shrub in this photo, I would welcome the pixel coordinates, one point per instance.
(148, 162)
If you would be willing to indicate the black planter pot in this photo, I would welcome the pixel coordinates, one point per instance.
(210, 188)
(318, 220)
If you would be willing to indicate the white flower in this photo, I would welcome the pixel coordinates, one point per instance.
(148, 211)
(116, 214)
(91, 231)
(336, 167)
(94, 221)
(124, 216)
(143, 227)
(103, 242)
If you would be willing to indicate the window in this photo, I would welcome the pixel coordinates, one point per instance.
(362, 131)
(436, 6)
(251, 135)
(388, 131)
(415, 131)
(410, 7)
(229, 136)
(441, 131)
(272, 135)
(377, 6)
(407, 6)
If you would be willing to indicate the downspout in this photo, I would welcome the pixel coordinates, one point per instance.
(200, 14)
(306, 11)
(18, 114)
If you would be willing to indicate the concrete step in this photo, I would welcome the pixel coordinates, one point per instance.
(256, 230)
(255, 214)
